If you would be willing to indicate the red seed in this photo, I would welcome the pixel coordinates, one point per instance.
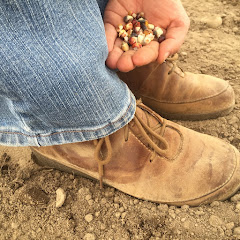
(134, 21)
(137, 24)
(132, 40)
(136, 46)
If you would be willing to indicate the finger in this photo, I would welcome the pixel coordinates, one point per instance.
(111, 35)
(146, 54)
(174, 39)
(115, 54)
(125, 62)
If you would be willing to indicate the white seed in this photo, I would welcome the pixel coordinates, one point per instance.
(136, 29)
(125, 46)
(60, 197)
(150, 26)
(134, 15)
(158, 32)
(140, 38)
(125, 39)
(148, 39)
(120, 27)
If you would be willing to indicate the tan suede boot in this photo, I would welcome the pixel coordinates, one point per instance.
(154, 159)
(177, 95)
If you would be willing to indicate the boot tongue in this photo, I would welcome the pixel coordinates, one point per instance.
(150, 118)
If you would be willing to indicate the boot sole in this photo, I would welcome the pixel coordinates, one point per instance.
(197, 117)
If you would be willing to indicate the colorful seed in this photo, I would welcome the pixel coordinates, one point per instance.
(132, 40)
(138, 32)
(128, 26)
(136, 46)
(129, 32)
(140, 38)
(147, 31)
(122, 34)
(134, 34)
(134, 15)
(134, 21)
(126, 39)
(140, 15)
(125, 46)
(150, 26)
(157, 32)
(120, 27)
(143, 26)
(141, 20)
(148, 39)
(127, 18)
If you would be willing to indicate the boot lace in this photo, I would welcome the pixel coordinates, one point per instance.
(173, 59)
(148, 133)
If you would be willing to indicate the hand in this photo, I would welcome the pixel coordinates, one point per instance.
(167, 14)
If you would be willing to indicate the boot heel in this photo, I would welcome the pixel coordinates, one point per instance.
(47, 162)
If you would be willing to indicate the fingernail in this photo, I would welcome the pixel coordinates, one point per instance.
(166, 55)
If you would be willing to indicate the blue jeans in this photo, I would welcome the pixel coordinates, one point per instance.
(54, 85)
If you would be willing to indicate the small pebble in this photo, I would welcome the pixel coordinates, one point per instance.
(89, 236)
(102, 226)
(235, 198)
(90, 202)
(60, 197)
(215, 204)
(215, 221)
(199, 213)
(117, 214)
(213, 22)
(238, 206)
(186, 224)
(236, 231)
(184, 54)
(135, 201)
(235, 29)
(121, 209)
(230, 225)
(103, 201)
(97, 214)
(89, 218)
(233, 120)
(185, 207)
(88, 197)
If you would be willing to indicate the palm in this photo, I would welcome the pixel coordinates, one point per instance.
(167, 14)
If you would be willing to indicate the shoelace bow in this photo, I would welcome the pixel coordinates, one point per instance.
(147, 132)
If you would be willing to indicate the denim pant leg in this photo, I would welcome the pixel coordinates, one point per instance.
(54, 85)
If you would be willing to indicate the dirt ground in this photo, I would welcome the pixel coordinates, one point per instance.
(28, 192)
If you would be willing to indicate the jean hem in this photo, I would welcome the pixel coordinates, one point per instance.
(18, 139)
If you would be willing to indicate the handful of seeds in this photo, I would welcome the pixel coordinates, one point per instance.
(137, 32)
